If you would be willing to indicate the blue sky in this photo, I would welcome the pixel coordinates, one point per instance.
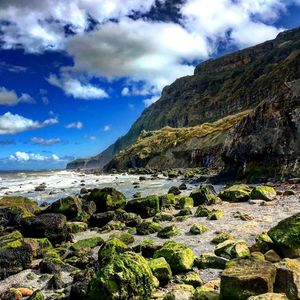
(75, 76)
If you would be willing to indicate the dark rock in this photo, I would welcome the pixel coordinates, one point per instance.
(145, 207)
(174, 190)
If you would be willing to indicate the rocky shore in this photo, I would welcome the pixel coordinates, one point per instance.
(240, 243)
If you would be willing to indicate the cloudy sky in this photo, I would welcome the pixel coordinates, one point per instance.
(74, 75)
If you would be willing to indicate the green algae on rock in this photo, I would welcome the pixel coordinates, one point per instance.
(88, 243)
(178, 255)
(232, 249)
(161, 270)
(111, 248)
(286, 237)
(204, 195)
(126, 276)
(148, 227)
(236, 193)
(198, 229)
(264, 193)
(168, 232)
(246, 278)
(145, 207)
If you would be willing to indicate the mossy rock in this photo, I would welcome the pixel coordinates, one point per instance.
(107, 199)
(167, 201)
(148, 227)
(168, 232)
(289, 193)
(288, 278)
(185, 202)
(178, 255)
(111, 248)
(11, 241)
(125, 237)
(181, 218)
(202, 211)
(127, 276)
(161, 270)
(184, 212)
(180, 291)
(38, 246)
(257, 256)
(75, 227)
(198, 229)
(222, 237)
(246, 278)
(286, 237)
(210, 261)
(26, 206)
(163, 216)
(191, 278)
(113, 225)
(266, 193)
(216, 214)
(147, 248)
(206, 293)
(88, 243)
(232, 249)
(70, 206)
(272, 256)
(145, 207)
(204, 195)
(236, 193)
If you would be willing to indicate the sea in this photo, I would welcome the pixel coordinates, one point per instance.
(64, 183)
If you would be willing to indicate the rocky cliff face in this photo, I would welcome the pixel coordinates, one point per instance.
(219, 87)
(188, 147)
(267, 142)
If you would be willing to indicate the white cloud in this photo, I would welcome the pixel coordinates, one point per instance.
(11, 124)
(77, 125)
(151, 100)
(107, 127)
(45, 142)
(92, 138)
(10, 98)
(73, 87)
(125, 91)
(20, 156)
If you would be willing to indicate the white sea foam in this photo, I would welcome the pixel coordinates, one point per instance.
(62, 183)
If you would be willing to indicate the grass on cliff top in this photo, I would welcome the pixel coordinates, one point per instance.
(160, 140)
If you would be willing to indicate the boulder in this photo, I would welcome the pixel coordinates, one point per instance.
(51, 226)
(111, 248)
(101, 219)
(145, 207)
(184, 212)
(286, 237)
(70, 206)
(148, 227)
(206, 293)
(162, 216)
(107, 199)
(245, 278)
(222, 237)
(75, 227)
(147, 248)
(288, 278)
(216, 214)
(198, 229)
(210, 261)
(113, 225)
(174, 190)
(178, 255)
(125, 237)
(127, 276)
(161, 270)
(14, 260)
(191, 278)
(232, 249)
(185, 202)
(167, 201)
(168, 232)
(202, 211)
(204, 195)
(88, 243)
(236, 193)
(266, 193)
(180, 292)
(272, 256)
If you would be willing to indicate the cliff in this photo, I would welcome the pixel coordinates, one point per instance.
(218, 88)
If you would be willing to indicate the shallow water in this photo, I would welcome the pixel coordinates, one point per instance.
(64, 183)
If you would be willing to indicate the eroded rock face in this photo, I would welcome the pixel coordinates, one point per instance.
(267, 142)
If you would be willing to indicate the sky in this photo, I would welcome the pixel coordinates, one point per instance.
(75, 75)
